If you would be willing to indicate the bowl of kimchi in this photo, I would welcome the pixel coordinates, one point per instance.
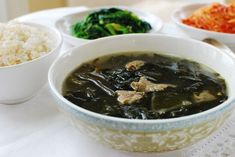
(207, 20)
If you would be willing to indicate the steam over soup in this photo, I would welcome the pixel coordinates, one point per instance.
(142, 85)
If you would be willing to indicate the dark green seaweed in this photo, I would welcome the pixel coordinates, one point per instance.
(92, 86)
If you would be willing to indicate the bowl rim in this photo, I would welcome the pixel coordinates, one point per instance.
(181, 24)
(132, 9)
(125, 120)
(52, 30)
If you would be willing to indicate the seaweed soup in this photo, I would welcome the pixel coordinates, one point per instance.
(144, 85)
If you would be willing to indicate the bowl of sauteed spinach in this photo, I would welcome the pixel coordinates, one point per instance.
(92, 24)
(137, 93)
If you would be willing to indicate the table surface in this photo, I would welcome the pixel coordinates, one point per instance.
(36, 129)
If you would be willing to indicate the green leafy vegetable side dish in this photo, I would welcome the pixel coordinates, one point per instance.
(108, 22)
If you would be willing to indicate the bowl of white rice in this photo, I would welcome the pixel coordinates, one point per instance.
(26, 52)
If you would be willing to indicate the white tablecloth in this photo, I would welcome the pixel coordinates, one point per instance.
(36, 129)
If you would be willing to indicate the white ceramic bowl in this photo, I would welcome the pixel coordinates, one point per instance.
(20, 82)
(64, 24)
(145, 135)
(196, 33)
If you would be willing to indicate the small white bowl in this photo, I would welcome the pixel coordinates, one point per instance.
(64, 24)
(22, 81)
(196, 33)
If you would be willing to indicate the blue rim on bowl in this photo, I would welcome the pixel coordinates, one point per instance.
(155, 124)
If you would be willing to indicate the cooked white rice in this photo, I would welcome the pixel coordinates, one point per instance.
(21, 43)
